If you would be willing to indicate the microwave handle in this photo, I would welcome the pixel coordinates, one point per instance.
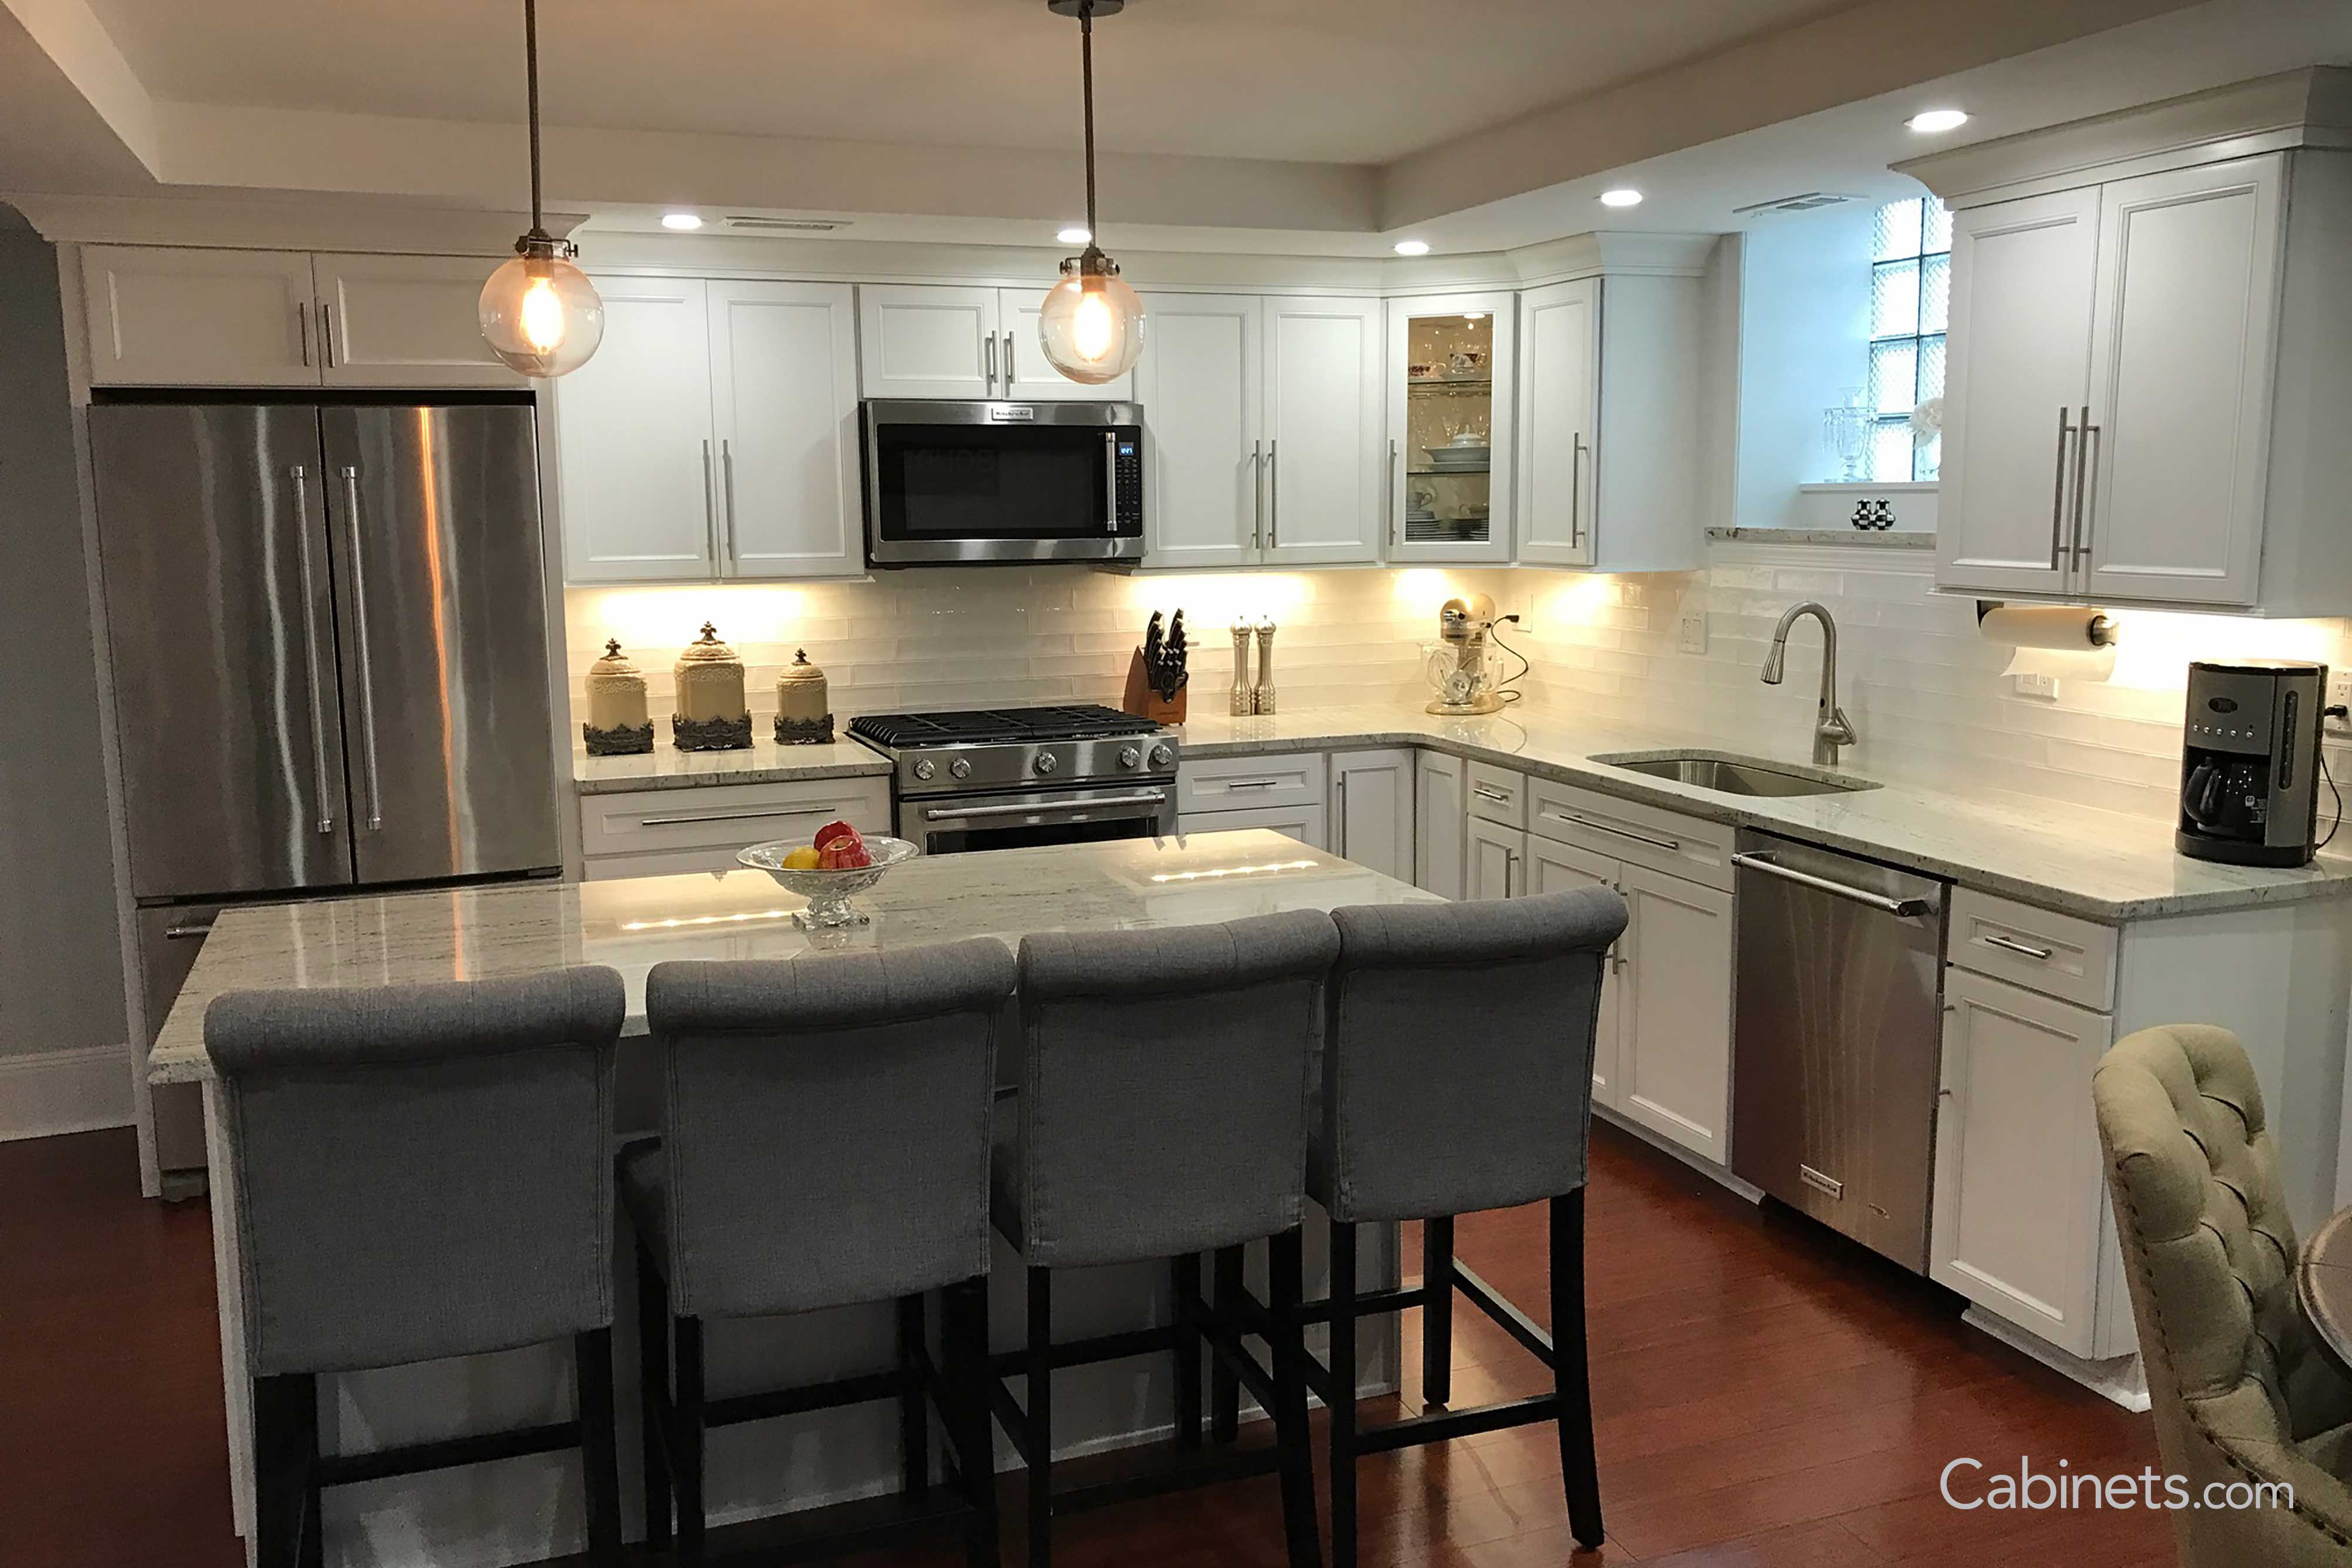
(1110, 481)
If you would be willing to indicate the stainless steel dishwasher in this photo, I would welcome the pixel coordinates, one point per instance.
(1837, 1039)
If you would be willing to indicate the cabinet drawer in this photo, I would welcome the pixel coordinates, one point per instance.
(1641, 835)
(1498, 795)
(1306, 823)
(2057, 955)
(727, 816)
(1237, 783)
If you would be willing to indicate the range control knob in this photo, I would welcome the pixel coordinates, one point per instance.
(1046, 762)
(960, 767)
(925, 769)
(1130, 758)
(1162, 754)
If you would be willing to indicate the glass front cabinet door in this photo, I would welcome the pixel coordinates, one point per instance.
(1451, 362)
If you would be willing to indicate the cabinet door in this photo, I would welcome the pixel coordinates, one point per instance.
(162, 316)
(1023, 371)
(1496, 860)
(1441, 794)
(928, 341)
(1306, 823)
(1325, 451)
(633, 424)
(1202, 384)
(406, 321)
(2017, 376)
(2182, 342)
(1675, 993)
(1372, 810)
(1559, 868)
(1560, 422)
(2019, 1184)
(783, 404)
(1450, 431)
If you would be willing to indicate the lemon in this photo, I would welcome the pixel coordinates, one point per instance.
(802, 859)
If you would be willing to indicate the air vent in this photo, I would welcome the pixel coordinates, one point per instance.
(1803, 204)
(788, 225)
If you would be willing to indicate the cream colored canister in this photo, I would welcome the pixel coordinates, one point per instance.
(712, 715)
(617, 725)
(803, 703)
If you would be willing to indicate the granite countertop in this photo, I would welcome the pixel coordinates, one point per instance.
(524, 928)
(668, 768)
(1874, 538)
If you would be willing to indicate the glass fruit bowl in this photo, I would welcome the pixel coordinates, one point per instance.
(828, 892)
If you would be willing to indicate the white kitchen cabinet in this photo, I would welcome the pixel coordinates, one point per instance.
(1675, 1001)
(664, 832)
(943, 341)
(783, 408)
(636, 464)
(1440, 808)
(2019, 1188)
(1372, 810)
(1325, 456)
(1555, 867)
(1607, 372)
(405, 321)
(1202, 382)
(1305, 823)
(1494, 860)
(1451, 378)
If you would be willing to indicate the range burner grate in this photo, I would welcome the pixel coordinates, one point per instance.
(982, 726)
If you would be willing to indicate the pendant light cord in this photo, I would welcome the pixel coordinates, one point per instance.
(1086, 59)
(531, 71)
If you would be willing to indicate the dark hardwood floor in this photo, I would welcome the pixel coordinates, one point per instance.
(1766, 1396)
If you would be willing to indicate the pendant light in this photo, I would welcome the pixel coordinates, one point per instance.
(1092, 326)
(538, 311)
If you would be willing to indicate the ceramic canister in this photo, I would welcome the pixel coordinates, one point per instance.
(803, 703)
(712, 715)
(617, 723)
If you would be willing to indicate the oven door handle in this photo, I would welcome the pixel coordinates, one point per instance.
(1044, 808)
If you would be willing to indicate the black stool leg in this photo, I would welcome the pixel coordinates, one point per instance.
(1184, 1288)
(314, 1527)
(1224, 1383)
(686, 1427)
(1285, 1285)
(963, 1346)
(1037, 1423)
(285, 1454)
(652, 1393)
(600, 1458)
(1437, 1314)
(914, 1419)
(1580, 1471)
(1342, 1400)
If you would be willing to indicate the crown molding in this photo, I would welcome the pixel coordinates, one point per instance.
(236, 223)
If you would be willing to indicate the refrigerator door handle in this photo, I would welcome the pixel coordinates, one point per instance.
(322, 775)
(360, 635)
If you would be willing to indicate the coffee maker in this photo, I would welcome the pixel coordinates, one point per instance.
(2250, 770)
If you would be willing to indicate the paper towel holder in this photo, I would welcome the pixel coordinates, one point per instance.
(2104, 629)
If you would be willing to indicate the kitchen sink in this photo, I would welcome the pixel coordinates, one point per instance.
(1730, 775)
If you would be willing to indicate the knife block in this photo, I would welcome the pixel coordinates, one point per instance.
(1144, 703)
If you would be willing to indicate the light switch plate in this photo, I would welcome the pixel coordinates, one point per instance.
(2044, 687)
(1694, 633)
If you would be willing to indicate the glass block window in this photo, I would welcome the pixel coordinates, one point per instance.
(1910, 298)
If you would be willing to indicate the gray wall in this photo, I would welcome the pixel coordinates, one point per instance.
(61, 957)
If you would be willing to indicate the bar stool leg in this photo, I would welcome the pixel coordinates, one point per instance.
(963, 1346)
(314, 1529)
(914, 1418)
(1037, 1423)
(1224, 1383)
(1184, 1290)
(1342, 1400)
(686, 1425)
(285, 1452)
(1437, 1313)
(1579, 1470)
(653, 1395)
(600, 1460)
(1286, 1286)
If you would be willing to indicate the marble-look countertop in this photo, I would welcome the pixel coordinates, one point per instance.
(632, 924)
(1874, 538)
(668, 768)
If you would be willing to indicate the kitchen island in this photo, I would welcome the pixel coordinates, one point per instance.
(522, 1510)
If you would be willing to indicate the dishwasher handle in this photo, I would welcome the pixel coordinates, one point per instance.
(1769, 866)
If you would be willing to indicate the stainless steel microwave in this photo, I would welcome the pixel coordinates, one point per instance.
(970, 483)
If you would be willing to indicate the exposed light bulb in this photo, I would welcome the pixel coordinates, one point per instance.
(1092, 326)
(682, 221)
(1622, 196)
(1076, 233)
(540, 313)
(1092, 329)
(542, 317)
(1413, 247)
(1933, 121)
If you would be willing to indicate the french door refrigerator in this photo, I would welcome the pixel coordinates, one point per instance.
(329, 634)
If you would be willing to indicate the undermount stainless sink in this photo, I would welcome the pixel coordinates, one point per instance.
(1728, 775)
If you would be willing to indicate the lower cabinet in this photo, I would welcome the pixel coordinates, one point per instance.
(1557, 868)
(1441, 795)
(1305, 823)
(664, 832)
(1494, 860)
(1372, 810)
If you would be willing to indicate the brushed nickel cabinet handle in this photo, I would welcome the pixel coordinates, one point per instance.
(1011, 374)
(736, 816)
(1576, 490)
(302, 331)
(2058, 495)
(1396, 514)
(2086, 502)
(1488, 792)
(1599, 827)
(1257, 494)
(2082, 469)
(1274, 511)
(2011, 945)
(989, 343)
(327, 334)
(710, 501)
(1252, 783)
(185, 932)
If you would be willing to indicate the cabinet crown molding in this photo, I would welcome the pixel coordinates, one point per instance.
(387, 229)
(2311, 107)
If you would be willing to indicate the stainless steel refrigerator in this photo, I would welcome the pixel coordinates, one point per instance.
(328, 631)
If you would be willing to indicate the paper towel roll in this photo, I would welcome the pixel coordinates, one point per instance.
(2051, 640)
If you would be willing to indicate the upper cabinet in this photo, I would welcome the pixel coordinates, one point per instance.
(1326, 462)
(1451, 368)
(947, 341)
(159, 316)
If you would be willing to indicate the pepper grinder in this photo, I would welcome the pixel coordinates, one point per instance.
(1265, 665)
(1244, 700)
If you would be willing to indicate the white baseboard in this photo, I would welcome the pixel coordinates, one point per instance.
(1697, 1162)
(2121, 1380)
(58, 1091)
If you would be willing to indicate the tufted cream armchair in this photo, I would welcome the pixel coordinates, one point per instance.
(2241, 1390)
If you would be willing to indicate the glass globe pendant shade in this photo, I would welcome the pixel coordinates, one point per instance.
(540, 313)
(1092, 326)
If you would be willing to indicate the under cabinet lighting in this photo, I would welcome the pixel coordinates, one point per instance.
(681, 221)
(1935, 121)
(1622, 196)
(1413, 247)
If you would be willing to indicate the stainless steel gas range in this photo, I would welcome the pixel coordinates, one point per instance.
(1009, 777)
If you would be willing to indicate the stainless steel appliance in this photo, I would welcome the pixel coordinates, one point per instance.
(970, 483)
(2249, 769)
(1837, 1039)
(329, 637)
(1010, 778)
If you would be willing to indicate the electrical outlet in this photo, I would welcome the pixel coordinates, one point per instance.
(2339, 691)
(2044, 687)
(1694, 633)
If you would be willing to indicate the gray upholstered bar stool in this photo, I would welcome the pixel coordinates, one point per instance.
(1457, 1076)
(1162, 1112)
(825, 1143)
(423, 1172)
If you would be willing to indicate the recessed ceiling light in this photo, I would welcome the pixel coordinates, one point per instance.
(1413, 247)
(1076, 233)
(1935, 122)
(1474, 315)
(1622, 196)
(681, 221)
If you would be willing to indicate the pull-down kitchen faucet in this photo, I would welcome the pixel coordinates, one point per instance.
(1834, 729)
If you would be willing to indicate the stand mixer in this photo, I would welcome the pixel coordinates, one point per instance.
(1457, 660)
